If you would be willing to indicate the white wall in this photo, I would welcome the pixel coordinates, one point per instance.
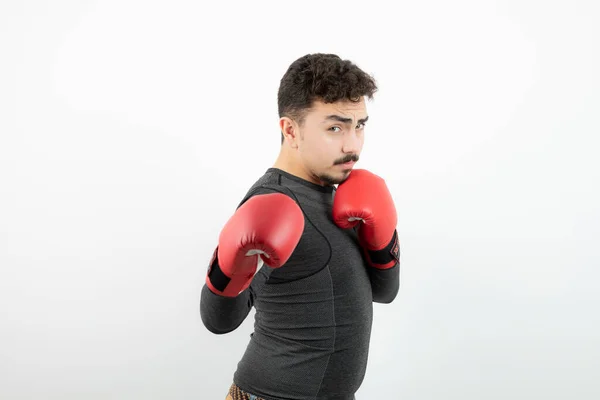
(131, 129)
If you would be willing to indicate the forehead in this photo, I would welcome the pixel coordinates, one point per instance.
(345, 108)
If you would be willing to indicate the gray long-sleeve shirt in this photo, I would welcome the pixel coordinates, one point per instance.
(314, 314)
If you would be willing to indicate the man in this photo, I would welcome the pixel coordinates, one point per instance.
(309, 256)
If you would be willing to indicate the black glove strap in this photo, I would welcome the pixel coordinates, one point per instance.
(390, 253)
(217, 278)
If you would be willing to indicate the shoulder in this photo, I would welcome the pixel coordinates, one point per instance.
(270, 182)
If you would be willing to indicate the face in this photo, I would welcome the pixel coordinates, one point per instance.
(329, 141)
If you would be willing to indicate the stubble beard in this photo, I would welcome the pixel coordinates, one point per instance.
(331, 180)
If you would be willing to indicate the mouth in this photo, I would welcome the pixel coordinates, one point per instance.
(348, 164)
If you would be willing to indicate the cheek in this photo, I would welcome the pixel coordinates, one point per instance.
(319, 152)
(317, 144)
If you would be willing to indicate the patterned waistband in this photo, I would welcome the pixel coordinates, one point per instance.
(238, 394)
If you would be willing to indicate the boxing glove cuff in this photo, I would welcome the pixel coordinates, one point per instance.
(215, 275)
(386, 257)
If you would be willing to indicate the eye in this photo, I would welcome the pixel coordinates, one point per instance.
(360, 126)
(335, 127)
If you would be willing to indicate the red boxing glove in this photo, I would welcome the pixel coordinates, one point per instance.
(268, 226)
(364, 197)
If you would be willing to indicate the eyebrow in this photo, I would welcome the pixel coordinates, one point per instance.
(344, 120)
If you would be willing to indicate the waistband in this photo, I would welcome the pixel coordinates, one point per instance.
(238, 394)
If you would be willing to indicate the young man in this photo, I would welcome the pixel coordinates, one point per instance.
(309, 256)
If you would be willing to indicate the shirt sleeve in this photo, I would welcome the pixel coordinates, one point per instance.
(222, 314)
(385, 283)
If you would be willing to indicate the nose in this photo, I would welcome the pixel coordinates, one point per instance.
(352, 142)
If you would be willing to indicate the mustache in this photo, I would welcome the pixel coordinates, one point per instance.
(348, 158)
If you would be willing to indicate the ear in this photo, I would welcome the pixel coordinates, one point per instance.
(290, 131)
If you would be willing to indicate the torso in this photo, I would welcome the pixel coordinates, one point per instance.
(313, 315)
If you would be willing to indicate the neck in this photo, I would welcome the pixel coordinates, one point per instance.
(286, 162)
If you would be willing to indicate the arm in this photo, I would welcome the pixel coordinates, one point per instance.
(383, 268)
(364, 203)
(385, 283)
(222, 314)
(265, 228)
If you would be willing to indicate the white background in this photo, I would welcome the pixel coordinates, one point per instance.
(130, 130)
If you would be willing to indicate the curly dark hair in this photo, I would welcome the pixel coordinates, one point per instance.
(324, 77)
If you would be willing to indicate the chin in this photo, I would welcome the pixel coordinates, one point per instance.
(345, 175)
(335, 178)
